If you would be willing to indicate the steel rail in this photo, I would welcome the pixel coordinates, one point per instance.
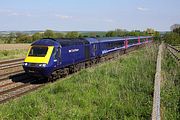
(11, 60)
(171, 49)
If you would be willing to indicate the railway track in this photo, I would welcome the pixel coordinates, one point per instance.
(13, 81)
(10, 89)
(11, 61)
(10, 67)
(17, 85)
(13, 85)
(174, 52)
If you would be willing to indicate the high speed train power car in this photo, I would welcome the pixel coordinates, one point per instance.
(53, 57)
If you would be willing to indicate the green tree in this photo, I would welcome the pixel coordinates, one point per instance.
(23, 38)
(49, 34)
(72, 34)
(172, 38)
(177, 30)
(59, 35)
(120, 32)
(10, 38)
(157, 36)
(36, 36)
(111, 34)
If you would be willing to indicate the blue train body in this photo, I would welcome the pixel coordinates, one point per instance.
(60, 53)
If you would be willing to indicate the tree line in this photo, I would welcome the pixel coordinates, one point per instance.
(26, 38)
(172, 37)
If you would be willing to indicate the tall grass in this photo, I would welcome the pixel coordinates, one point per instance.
(10, 54)
(120, 89)
(170, 92)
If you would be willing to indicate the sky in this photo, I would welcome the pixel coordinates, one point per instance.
(88, 15)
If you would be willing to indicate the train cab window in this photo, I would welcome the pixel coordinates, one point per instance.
(54, 53)
(38, 51)
(59, 52)
(94, 47)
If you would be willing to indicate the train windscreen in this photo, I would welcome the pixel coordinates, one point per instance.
(38, 51)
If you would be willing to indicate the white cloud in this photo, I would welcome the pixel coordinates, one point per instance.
(63, 16)
(13, 13)
(19, 14)
(142, 9)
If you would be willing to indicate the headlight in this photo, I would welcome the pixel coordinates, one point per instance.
(42, 65)
(25, 64)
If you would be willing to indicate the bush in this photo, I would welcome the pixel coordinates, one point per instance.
(172, 38)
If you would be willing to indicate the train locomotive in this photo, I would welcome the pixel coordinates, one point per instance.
(52, 58)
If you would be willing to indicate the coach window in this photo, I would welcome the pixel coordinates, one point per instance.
(121, 43)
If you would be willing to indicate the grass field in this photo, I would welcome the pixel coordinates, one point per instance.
(120, 89)
(11, 54)
(11, 51)
(170, 92)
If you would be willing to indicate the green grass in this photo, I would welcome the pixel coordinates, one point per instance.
(10, 54)
(120, 89)
(170, 91)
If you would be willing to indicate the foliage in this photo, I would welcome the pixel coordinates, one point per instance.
(120, 89)
(37, 36)
(9, 54)
(10, 39)
(49, 34)
(59, 35)
(172, 38)
(72, 34)
(177, 30)
(23, 38)
(170, 95)
(111, 34)
(123, 33)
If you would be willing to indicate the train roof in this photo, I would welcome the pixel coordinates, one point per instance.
(92, 40)
(135, 37)
(80, 41)
(69, 41)
(110, 39)
(45, 42)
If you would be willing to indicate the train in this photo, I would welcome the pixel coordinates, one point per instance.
(52, 58)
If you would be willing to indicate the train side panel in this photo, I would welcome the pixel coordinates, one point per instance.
(73, 54)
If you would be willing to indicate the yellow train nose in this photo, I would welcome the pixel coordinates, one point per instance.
(30, 58)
